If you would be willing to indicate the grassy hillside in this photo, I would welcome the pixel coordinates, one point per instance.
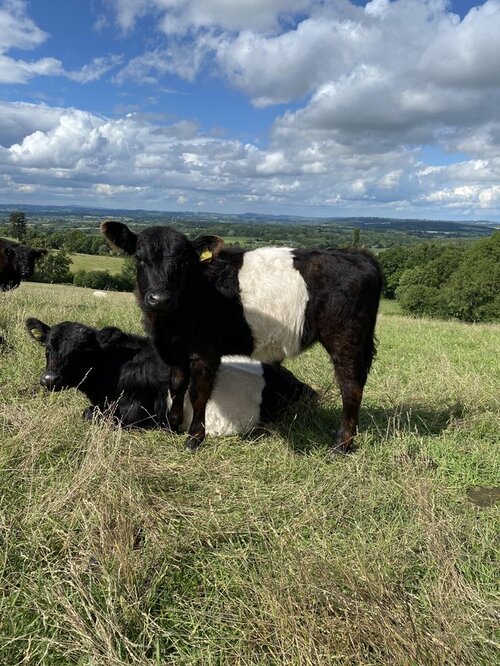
(95, 262)
(120, 548)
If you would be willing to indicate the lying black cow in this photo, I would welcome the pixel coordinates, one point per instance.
(123, 374)
(17, 262)
(200, 301)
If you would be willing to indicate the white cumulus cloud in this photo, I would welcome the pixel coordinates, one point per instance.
(70, 154)
(180, 16)
(371, 91)
(17, 30)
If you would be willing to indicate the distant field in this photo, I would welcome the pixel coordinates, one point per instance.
(231, 240)
(91, 262)
(118, 548)
(388, 307)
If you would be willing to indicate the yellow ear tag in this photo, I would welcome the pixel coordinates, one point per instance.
(205, 255)
(36, 333)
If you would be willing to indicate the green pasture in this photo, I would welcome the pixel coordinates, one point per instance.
(119, 548)
(94, 262)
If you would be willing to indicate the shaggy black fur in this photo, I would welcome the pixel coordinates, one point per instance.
(17, 262)
(189, 295)
(123, 373)
(117, 371)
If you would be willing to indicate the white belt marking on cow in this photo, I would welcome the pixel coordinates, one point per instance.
(234, 405)
(274, 298)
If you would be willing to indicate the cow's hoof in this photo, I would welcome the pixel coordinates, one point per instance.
(88, 414)
(173, 426)
(337, 451)
(192, 444)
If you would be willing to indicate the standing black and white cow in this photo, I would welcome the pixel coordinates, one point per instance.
(122, 373)
(200, 301)
(17, 262)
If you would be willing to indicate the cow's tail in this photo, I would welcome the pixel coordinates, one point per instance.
(376, 285)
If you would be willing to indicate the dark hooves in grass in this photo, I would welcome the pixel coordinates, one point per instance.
(339, 451)
(336, 454)
(88, 413)
(192, 444)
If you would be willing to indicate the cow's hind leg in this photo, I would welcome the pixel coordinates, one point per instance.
(351, 351)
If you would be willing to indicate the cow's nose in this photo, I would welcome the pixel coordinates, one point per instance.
(48, 380)
(155, 299)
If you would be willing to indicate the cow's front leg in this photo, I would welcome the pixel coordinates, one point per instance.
(203, 371)
(179, 382)
(90, 412)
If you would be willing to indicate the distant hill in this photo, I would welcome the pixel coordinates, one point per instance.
(474, 227)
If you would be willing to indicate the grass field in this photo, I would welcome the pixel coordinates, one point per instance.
(94, 262)
(119, 548)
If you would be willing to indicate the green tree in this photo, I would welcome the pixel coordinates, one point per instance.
(394, 262)
(101, 280)
(460, 282)
(356, 234)
(400, 258)
(473, 291)
(75, 241)
(93, 279)
(17, 221)
(129, 274)
(54, 268)
(35, 238)
(103, 249)
(418, 299)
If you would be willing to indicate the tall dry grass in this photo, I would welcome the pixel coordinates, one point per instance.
(119, 548)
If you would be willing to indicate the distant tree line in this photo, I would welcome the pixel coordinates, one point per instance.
(458, 278)
(460, 281)
(64, 234)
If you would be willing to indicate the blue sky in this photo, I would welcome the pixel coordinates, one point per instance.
(304, 107)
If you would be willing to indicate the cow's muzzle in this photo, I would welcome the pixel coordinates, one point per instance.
(50, 381)
(156, 300)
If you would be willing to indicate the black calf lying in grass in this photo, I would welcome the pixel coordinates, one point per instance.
(123, 373)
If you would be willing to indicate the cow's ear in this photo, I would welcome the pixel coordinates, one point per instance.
(208, 247)
(41, 253)
(8, 252)
(37, 329)
(119, 235)
(109, 336)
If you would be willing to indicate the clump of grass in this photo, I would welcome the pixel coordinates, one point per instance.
(119, 548)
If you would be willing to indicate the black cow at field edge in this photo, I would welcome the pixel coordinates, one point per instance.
(123, 373)
(17, 262)
(200, 301)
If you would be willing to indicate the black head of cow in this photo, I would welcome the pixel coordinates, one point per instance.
(22, 259)
(70, 350)
(165, 261)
